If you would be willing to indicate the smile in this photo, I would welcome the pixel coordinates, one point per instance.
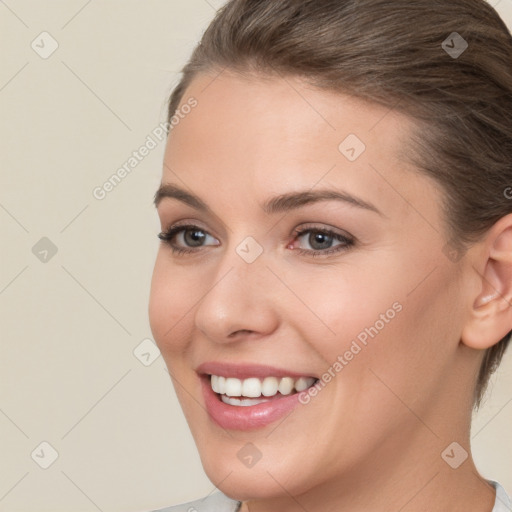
(249, 396)
(256, 391)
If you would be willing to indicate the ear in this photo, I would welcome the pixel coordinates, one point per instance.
(491, 313)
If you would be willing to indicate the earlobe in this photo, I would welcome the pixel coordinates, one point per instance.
(490, 317)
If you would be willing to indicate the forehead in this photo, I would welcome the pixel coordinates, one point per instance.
(288, 110)
(254, 134)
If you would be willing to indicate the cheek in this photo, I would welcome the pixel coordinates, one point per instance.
(171, 298)
(390, 321)
(352, 305)
(413, 356)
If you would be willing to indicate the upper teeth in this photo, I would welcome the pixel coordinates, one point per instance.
(254, 387)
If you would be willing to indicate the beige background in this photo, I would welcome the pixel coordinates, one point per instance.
(70, 324)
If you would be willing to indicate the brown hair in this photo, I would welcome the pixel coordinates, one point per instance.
(395, 53)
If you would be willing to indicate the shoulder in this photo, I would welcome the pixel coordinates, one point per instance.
(503, 502)
(217, 502)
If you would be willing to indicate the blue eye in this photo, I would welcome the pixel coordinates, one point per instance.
(193, 238)
(191, 234)
(321, 241)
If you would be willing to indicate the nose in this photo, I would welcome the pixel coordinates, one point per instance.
(241, 298)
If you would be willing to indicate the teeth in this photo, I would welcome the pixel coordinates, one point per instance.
(254, 387)
(244, 402)
(251, 388)
(269, 386)
(286, 385)
(214, 382)
(232, 387)
(302, 384)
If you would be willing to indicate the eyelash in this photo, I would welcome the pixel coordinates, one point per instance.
(168, 236)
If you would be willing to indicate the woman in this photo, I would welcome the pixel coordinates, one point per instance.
(334, 283)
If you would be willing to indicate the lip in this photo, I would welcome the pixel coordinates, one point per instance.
(231, 417)
(245, 371)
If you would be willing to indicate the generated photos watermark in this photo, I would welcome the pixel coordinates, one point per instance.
(157, 135)
(356, 347)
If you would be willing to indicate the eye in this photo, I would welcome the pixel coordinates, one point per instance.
(321, 240)
(191, 238)
(190, 235)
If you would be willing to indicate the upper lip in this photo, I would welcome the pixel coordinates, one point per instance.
(246, 370)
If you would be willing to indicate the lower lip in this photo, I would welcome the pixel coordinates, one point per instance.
(245, 417)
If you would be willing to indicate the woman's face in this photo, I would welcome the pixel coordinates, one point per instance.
(372, 311)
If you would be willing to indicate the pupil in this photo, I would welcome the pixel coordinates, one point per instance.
(319, 238)
(195, 239)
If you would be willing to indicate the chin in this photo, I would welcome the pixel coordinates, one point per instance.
(244, 484)
(265, 479)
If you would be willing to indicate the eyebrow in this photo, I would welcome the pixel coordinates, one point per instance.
(281, 203)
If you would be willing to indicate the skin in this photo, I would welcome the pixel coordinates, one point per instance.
(372, 438)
